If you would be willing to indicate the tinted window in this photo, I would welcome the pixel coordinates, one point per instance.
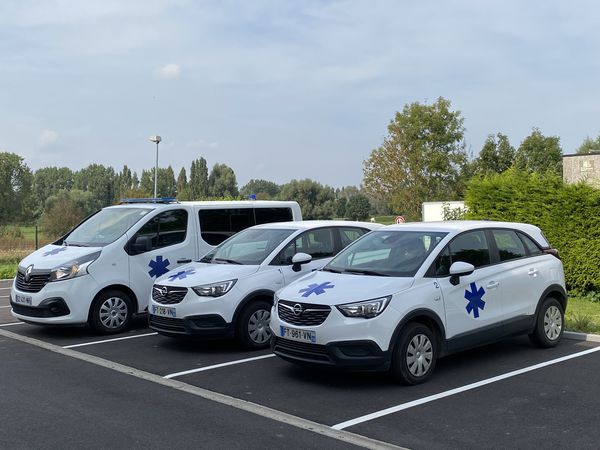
(167, 228)
(509, 245)
(250, 246)
(317, 243)
(349, 235)
(268, 215)
(470, 247)
(532, 248)
(216, 225)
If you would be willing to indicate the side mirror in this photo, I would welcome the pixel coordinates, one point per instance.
(299, 259)
(142, 244)
(460, 269)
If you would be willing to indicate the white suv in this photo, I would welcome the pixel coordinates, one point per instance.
(230, 291)
(405, 295)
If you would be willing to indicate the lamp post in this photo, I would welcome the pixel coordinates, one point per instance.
(156, 139)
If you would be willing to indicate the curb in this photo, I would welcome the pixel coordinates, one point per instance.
(581, 336)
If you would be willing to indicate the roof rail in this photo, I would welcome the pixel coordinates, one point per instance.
(149, 200)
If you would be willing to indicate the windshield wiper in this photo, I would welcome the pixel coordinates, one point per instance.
(329, 269)
(366, 272)
(228, 261)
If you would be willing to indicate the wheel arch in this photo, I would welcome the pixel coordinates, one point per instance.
(555, 291)
(117, 287)
(426, 317)
(261, 294)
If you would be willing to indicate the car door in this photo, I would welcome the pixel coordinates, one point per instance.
(170, 239)
(472, 307)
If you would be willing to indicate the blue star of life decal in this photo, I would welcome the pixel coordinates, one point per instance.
(55, 251)
(316, 289)
(158, 267)
(475, 298)
(182, 274)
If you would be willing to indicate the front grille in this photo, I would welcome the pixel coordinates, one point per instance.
(314, 352)
(168, 295)
(35, 284)
(166, 324)
(309, 315)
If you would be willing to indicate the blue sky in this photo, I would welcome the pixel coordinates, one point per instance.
(285, 89)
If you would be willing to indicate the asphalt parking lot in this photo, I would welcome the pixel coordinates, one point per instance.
(67, 388)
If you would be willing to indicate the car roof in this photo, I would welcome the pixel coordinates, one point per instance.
(208, 204)
(308, 224)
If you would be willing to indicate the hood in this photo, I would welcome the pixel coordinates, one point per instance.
(195, 274)
(51, 256)
(338, 288)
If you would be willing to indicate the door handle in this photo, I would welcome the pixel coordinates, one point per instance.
(184, 261)
(533, 272)
(492, 285)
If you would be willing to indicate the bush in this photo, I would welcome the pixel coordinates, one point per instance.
(568, 214)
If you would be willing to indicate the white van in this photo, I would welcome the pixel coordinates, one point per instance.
(102, 271)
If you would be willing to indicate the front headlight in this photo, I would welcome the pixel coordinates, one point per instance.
(72, 269)
(365, 310)
(214, 289)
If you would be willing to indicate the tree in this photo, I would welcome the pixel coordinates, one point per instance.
(263, 189)
(496, 156)
(358, 207)
(165, 182)
(182, 185)
(589, 146)
(48, 181)
(315, 200)
(198, 185)
(222, 182)
(340, 207)
(65, 209)
(420, 160)
(99, 180)
(538, 153)
(15, 188)
(123, 183)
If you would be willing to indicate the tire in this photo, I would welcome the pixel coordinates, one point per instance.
(415, 355)
(111, 312)
(252, 329)
(549, 324)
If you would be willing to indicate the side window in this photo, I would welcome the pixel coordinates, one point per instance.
(442, 263)
(268, 215)
(216, 225)
(532, 248)
(317, 243)
(509, 245)
(470, 247)
(167, 228)
(349, 235)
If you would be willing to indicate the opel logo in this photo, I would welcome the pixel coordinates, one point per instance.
(164, 291)
(28, 273)
(297, 309)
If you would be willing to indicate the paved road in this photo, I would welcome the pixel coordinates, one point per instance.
(70, 388)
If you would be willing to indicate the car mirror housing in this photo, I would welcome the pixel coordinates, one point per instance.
(299, 259)
(460, 269)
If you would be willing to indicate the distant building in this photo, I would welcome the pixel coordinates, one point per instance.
(585, 167)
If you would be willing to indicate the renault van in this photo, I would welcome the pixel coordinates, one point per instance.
(102, 271)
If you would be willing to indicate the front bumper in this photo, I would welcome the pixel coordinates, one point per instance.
(206, 326)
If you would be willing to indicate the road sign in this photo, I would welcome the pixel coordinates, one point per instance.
(400, 219)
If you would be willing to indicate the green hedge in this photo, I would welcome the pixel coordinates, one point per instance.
(568, 214)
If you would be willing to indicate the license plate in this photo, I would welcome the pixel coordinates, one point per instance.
(298, 335)
(163, 311)
(23, 299)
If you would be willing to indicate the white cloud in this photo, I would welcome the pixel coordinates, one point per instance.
(169, 71)
(48, 137)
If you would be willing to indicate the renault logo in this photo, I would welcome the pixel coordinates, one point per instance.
(28, 273)
(297, 309)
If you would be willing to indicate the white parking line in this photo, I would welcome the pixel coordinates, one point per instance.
(110, 340)
(7, 306)
(216, 366)
(458, 390)
(12, 323)
(5, 289)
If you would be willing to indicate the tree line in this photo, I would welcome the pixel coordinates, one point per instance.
(424, 157)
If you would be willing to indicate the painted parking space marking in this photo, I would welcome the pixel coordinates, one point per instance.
(109, 340)
(217, 366)
(7, 306)
(458, 390)
(5, 288)
(12, 323)
(250, 407)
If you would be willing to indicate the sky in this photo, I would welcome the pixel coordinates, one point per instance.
(288, 89)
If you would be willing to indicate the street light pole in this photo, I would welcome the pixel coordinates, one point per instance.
(156, 139)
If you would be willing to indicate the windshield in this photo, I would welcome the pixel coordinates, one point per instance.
(105, 227)
(395, 253)
(250, 247)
